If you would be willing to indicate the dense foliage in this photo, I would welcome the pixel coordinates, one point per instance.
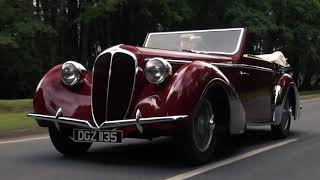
(38, 34)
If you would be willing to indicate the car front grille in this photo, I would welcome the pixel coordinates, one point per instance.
(112, 86)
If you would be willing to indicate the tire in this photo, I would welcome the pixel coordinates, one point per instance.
(282, 130)
(200, 140)
(65, 145)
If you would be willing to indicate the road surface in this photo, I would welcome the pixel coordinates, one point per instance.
(255, 156)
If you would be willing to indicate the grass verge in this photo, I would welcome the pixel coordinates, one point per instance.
(13, 115)
(10, 121)
(305, 95)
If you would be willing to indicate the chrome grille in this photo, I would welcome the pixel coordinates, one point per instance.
(113, 84)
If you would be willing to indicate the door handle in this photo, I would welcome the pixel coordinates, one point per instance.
(243, 73)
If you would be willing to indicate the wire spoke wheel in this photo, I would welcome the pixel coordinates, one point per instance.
(203, 139)
(204, 126)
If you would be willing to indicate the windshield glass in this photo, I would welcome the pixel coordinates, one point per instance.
(218, 41)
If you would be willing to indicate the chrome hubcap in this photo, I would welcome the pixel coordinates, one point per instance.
(204, 125)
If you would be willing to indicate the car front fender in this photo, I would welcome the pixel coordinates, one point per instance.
(51, 95)
(184, 92)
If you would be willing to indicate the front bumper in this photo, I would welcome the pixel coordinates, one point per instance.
(138, 121)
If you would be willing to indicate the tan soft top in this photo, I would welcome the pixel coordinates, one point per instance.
(276, 57)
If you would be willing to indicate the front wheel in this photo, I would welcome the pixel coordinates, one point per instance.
(282, 130)
(64, 144)
(201, 139)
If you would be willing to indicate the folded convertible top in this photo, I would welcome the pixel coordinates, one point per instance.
(276, 57)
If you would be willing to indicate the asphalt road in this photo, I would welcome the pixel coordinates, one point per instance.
(254, 156)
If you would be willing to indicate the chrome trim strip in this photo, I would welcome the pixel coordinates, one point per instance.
(138, 117)
(64, 120)
(112, 51)
(174, 61)
(256, 67)
(251, 56)
(243, 66)
(58, 114)
(108, 86)
(224, 65)
(107, 124)
(219, 64)
(132, 122)
(199, 31)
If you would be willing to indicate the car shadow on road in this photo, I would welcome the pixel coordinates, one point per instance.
(165, 152)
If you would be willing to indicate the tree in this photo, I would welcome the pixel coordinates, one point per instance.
(39, 34)
(21, 40)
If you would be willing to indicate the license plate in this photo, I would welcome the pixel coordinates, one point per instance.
(84, 135)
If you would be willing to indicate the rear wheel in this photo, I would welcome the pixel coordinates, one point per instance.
(282, 130)
(64, 144)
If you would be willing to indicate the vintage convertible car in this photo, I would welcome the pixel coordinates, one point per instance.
(191, 84)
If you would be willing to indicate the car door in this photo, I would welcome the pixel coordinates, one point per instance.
(256, 89)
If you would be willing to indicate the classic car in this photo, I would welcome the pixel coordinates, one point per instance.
(191, 84)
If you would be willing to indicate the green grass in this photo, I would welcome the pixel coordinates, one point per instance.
(309, 95)
(20, 105)
(13, 112)
(10, 121)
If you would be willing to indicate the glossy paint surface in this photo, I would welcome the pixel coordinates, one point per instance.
(183, 90)
(255, 88)
(180, 94)
(288, 89)
(51, 94)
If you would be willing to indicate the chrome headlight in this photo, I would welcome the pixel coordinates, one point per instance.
(157, 70)
(72, 73)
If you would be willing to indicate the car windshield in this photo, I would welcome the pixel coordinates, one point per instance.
(217, 41)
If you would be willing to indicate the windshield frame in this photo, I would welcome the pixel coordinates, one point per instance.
(145, 44)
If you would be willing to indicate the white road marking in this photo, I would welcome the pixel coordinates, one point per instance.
(239, 157)
(23, 140)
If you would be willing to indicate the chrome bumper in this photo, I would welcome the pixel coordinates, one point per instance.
(107, 124)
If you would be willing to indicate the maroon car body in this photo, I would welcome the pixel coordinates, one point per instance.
(117, 89)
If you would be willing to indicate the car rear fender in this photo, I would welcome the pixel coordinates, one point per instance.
(285, 87)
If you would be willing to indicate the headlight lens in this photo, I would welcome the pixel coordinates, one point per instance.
(157, 70)
(71, 73)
